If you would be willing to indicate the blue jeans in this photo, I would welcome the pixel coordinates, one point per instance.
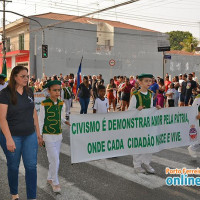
(27, 148)
(84, 105)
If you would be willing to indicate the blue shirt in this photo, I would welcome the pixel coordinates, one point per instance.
(154, 87)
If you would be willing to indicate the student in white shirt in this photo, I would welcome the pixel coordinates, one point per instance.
(101, 103)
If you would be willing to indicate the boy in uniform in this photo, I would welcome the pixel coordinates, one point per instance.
(143, 99)
(66, 95)
(50, 118)
(195, 147)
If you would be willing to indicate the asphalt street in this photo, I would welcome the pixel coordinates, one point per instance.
(108, 179)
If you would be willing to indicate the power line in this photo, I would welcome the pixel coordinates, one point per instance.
(167, 21)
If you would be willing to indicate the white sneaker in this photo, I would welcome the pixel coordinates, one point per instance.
(192, 152)
(149, 168)
(139, 170)
(56, 188)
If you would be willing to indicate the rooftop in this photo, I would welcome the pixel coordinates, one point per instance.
(178, 52)
(87, 20)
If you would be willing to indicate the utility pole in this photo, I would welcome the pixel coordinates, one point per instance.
(4, 29)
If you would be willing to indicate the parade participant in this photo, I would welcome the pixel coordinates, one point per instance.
(94, 86)
(170, 94)
(191, 84)
(126, 89)
(66, 95)
(183, 90)
(3, 84)
(154, 88)
(111, 93)
(143, 99)
(194, 77)
(101, 103)
(161, 90)
(19, 121)
(50, 118)
(100, 80)
(84, 92)
(167, 82)
(195, 147)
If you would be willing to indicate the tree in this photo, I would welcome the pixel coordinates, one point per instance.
(180, 40)
(189, 44)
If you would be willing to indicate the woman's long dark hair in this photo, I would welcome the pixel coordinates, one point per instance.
(12, 83)
(87, 81)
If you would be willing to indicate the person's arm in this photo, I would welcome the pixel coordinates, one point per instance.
(107, 88)
(91, 93)
(62, 93)
(36, 124)
(123, 87)
(95, 106)
(5, 129)
(77, 94)
(63, 120)
(132, 105)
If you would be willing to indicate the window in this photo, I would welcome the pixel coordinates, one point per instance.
(21, 41)
(8, 44)
(107, 43)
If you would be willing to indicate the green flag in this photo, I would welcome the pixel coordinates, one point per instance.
(4, 70)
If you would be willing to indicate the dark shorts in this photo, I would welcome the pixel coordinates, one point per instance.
(187, 98)
(182, 98)
(126, 97)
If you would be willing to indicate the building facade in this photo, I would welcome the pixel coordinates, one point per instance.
(108, 48)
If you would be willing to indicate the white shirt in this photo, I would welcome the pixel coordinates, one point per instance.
(195, 79)
(101, 106)
(196, 101)
(169, 91)
(133, 101)
(180, 83)
(49, 137)
(3, 86)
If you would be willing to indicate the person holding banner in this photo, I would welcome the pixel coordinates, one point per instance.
(50, 117)
(143, 99)
(195, 147)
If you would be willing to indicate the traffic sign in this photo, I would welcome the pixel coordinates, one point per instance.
(112, 62)
(167, 48)
(167, 56)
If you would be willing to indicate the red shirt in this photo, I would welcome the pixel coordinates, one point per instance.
(167, 83)
(128, 88)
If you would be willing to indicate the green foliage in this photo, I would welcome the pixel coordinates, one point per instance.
(180, 40)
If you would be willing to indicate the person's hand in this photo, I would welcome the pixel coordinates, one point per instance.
(40, 141)
(198, 116)
(10, 145)
(140, 108)
(66, 122)
(158, 107)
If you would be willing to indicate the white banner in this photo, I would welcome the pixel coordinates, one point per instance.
(98, 136)
(38, 98)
